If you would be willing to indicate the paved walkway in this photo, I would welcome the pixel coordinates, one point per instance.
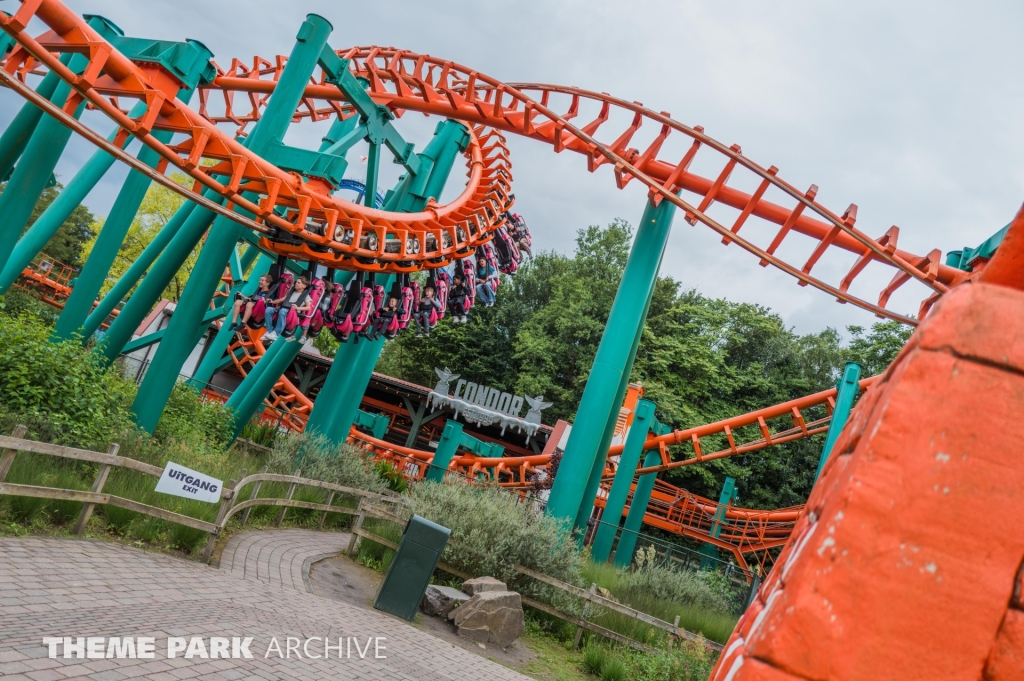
(65, 587)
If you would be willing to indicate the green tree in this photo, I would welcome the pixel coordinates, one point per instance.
(158, 206)
(876, 350)
(67, 244)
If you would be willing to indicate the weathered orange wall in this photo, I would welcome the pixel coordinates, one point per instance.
(907, 562)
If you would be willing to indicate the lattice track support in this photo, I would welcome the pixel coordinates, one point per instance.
(579, 473)
(912, 533)
(601, 548)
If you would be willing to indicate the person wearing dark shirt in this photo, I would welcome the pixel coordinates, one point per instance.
(457, 298)
(248, 302)
(386, 315)
(426, 305)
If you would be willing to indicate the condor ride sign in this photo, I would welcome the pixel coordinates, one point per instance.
(185, 482)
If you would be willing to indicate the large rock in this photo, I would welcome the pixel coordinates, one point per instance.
(482, 585)
(491, 617)
(441, 600)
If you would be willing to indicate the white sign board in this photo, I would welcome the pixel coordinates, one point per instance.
(185, 482)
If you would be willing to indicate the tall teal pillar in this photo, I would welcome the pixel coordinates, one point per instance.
(637, 508)
(597, 471)
(137, 270)
(617, 495)
(219, 343)
(163, 372)
(47, 224)
(612, 364)
(245, 402)
(846, 392)
(447, 447)
(90, 280)
(34, 169)
(709, 552)
(16, 136)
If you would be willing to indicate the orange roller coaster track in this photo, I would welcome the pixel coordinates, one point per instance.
(406, 81)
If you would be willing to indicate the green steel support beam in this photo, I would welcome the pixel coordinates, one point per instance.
(72, 320)
(18, 133)
(137, 269)
(709, 552)
(452, 438)
(163, 372)
(846, 392)
(377, 424)
(157, 336)
(597, 471)
(47, 224)
(35, 168)
(339, 398)
(635, 518)
(219, 344)
(612, 364)
(617, 495)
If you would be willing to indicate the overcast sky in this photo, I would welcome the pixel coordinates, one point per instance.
(911, 110)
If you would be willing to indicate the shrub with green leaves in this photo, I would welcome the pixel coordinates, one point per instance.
(492, 531)
(320, 459)
(187, 412)
(82, 401)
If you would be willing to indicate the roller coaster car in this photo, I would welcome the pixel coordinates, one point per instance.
(468, 268)
(442, 284)
(488, 252)
(406, 304)
(258, 317)
(357, 318)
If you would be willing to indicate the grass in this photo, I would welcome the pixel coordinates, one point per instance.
(713, 625)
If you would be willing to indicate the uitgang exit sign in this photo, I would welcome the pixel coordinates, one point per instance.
(185, 482)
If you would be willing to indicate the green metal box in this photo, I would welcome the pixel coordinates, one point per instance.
(409, 574)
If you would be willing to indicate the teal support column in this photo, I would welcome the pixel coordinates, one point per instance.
(637, 508)
(90, 280)
(43, 229)
(163, 372)
(603, 393)
(34, 169)
(616, 501)
(447, 447)
(136, 270)
(245, 402)
(219, 343)
(709, 552)
(18, 133)
(597, 471)
(846, 392)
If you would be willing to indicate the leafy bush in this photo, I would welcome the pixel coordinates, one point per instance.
(320, 459)
(685, 661)
(263, 434)
(82, 401)
(492, 531)
(187, 412)
(700, 589)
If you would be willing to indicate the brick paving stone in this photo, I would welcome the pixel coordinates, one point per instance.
(91, 588)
